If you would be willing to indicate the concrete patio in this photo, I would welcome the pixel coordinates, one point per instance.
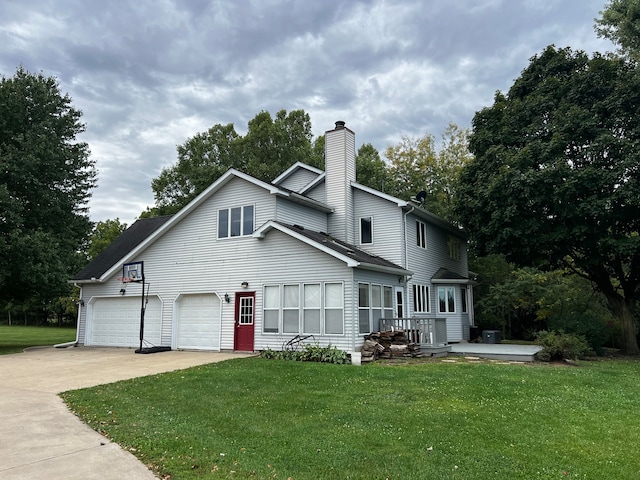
(496, 351)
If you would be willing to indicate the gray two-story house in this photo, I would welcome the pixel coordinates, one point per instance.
(249, 265)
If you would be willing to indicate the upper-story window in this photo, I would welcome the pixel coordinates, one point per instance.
(366, 230)
(453, 245)
(235, 221)
(421, 229)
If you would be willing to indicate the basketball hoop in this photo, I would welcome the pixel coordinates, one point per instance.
(126, 280)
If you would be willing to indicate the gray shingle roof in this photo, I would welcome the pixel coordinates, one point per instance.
(342, 247)
(121, 246)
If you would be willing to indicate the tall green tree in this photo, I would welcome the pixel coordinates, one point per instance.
(270, 146)
(371, 170)
(417, 164)
(620, 23)
(555, 180)
(47, 176)
(102, 235)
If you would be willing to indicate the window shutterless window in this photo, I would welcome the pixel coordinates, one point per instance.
(291, 309)
(374, 302)
(420, 298)
(271, 309)
(421, 230)
(464, 298)
(311, 308)
(366, 230)
(446, 299)
(235, 221)
(453, 246)
(333, 309)
(364, 304)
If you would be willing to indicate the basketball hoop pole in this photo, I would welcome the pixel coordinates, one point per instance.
(141, 315)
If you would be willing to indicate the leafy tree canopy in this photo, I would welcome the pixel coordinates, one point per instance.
(417, 164)
(620, 23)
(102, 235)
(270, 146)
(46, 180)
(555, 178)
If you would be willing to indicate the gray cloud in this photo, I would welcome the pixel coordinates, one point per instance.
(148, 75)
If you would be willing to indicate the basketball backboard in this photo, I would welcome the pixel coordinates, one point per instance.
(133, 272)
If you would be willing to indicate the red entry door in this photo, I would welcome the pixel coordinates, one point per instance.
(244, 315)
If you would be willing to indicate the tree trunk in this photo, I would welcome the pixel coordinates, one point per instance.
(624, 310)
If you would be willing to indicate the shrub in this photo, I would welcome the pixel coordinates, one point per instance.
(560, 346)
(586, 324)
(310, 353)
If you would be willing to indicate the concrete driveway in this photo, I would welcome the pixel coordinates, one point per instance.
(41, 439)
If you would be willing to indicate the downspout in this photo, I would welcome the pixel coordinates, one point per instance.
(80, 304)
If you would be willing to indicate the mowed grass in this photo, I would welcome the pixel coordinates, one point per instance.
(257, 419)
(16, 338)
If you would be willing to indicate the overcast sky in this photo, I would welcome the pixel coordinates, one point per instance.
(150, 74)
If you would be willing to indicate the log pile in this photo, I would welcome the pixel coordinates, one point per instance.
(390, 344)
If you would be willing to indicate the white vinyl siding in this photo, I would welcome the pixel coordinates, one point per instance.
(386, 226)
(298, 179)
(296, 214)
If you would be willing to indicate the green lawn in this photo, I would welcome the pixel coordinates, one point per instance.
(257, 419)
(16, 338)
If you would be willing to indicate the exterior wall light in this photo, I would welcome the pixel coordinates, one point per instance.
(226, 298)
(245, 284)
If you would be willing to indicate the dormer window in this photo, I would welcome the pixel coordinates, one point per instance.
(366, 230)
(235, 221)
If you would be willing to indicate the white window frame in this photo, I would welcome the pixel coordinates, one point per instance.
(311, 308)
(362, 242)
(334, 305)
(383, 308)
(421, 234)
(243, 221)
(448, 307)
(421, 303)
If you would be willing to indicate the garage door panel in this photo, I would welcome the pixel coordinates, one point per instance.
(198, 319)
(115, 322)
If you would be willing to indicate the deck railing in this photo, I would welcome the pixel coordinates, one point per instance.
(428, 332)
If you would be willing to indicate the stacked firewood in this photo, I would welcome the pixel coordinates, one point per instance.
(389, 344)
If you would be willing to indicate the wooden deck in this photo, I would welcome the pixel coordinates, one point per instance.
(496, 351)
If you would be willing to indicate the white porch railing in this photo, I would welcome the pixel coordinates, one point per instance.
(428, 332)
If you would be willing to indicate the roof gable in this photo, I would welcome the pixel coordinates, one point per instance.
(293, 169)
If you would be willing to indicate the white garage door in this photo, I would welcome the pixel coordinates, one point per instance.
(199, 322)
(115, 322)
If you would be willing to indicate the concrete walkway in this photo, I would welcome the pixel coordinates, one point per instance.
(41, 439)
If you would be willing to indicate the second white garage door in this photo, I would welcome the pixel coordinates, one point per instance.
(198, 318)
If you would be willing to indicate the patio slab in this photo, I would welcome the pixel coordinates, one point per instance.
(497, 351)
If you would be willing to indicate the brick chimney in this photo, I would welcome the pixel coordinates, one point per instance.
(340, 168)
